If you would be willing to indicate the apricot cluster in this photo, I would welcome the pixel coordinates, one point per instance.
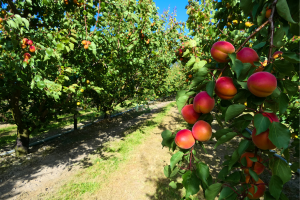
(201, 130)
(86, 44)
(32, 49)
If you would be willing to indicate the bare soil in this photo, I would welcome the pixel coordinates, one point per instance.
(51, 165)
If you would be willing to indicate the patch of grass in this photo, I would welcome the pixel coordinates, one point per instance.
(102, 167)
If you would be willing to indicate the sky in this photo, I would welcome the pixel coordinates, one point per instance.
(180, 8)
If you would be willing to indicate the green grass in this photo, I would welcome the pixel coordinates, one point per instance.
(102, 167)
(8, 135)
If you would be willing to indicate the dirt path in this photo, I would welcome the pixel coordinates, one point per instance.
(43, 170)
(138, 179)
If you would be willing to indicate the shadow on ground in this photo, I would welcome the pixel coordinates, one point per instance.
(68, 150)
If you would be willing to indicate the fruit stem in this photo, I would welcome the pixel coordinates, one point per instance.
(191, 157)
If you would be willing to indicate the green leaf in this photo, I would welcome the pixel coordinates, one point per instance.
(40, 85)
(168, 138)
(259, 45)
(253, 174)
(173, 185)
(234, 177)
(212, 191)
(199, 64)
(167, 171)
(191, 61)
(261, 123)
(243, 145)
(291, 87)
(284, 67)
(225, 138)
(275, 186)
(246, 6)
(26, 22)
(228, 194)
(210, 88)
(191, 183)
(60, 46)
(223, 173)
(279, 135)
(281, 169)
(283, 103)
(278, 37)
(219, 133)
(175, 159)
(202, 171)
(181, 99)
(233, 111)
(283, 10)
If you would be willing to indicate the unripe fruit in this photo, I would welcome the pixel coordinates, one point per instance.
(262, 140)
(203, 103)
(261, 188)
(87, 81)
(220, 51)
(225, 88)
(27, 55)
(29, 42)
(86, 46)
(202, 131)
(84, 42)
(276, 54)
(78, 103)
(235, 22)
(1, 20)
(189, 114)
(184, 139)
(262, 84)
(82, 90)
(32, 49)
(258, 167)
(268, 13)
(247, 55)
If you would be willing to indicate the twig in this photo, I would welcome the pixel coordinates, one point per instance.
(99, 7)
(271, 21)
(256, 31)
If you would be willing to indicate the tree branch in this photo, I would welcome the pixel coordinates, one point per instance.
(271, 21)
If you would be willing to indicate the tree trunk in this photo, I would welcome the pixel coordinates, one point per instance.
(22, 145)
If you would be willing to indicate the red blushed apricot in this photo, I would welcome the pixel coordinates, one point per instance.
(262, 84)
(258, 167)
(225, 88)
(276, 54)
(189, 114)
(268, 13)
(203, 103)
(247, 55)
(202, 131)
(261, 188)
(262, 140)
(220, 51)
(184, 139)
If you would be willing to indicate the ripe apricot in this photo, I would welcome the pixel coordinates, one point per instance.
(247, 55)
(261, 188)
(258, 167)
(202, 131)
(276, 54)
(190, 75)
(184, 139)
(203, 103)
(262, 140)
(225, 88)
(27, 55)
(262, 84)
(268, 13)
(189, 114)
(32, 49)
(84, 42)
(29, 42)
(220, 50)
(86, 46)
(24, 41)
